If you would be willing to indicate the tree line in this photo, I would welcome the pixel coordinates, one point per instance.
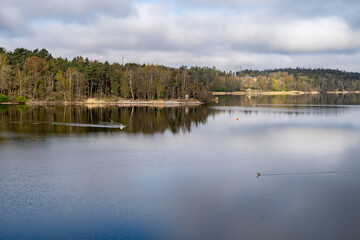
(36, 74)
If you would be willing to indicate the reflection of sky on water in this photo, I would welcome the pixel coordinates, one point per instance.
(328, 130)
(198, 185)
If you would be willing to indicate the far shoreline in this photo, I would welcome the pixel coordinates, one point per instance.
(275, 93)
(97, 102)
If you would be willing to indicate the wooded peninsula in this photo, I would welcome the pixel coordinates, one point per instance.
(37, 75)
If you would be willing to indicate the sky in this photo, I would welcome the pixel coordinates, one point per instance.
(256, 34)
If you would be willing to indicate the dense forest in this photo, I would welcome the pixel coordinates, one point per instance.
(36, 74)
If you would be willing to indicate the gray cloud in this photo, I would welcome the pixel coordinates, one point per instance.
(17, 15)
(256, 34)
(68, 9)
(283, 9)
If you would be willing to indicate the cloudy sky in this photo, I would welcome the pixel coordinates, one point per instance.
(256, 34)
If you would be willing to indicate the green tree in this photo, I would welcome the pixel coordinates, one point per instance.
(63, 85)
(36, 67)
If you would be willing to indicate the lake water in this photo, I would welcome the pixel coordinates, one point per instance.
(184, 172)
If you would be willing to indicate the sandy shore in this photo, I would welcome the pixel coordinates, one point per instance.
(11, 103)
(273, 93)
(95, 102)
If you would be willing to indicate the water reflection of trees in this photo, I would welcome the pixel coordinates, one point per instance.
(286, 111)
(147, 120)
(329, 99)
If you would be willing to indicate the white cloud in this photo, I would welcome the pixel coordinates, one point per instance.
(156, 32)
(322, 35)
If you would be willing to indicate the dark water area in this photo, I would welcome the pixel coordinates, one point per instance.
(183, 173)
(79, 119)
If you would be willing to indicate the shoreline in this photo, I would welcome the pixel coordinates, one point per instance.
(11, 103)
(96, 102)
(275, 93)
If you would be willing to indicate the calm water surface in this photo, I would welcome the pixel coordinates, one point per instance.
(183, 173)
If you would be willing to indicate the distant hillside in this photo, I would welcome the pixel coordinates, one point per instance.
(290, 79)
